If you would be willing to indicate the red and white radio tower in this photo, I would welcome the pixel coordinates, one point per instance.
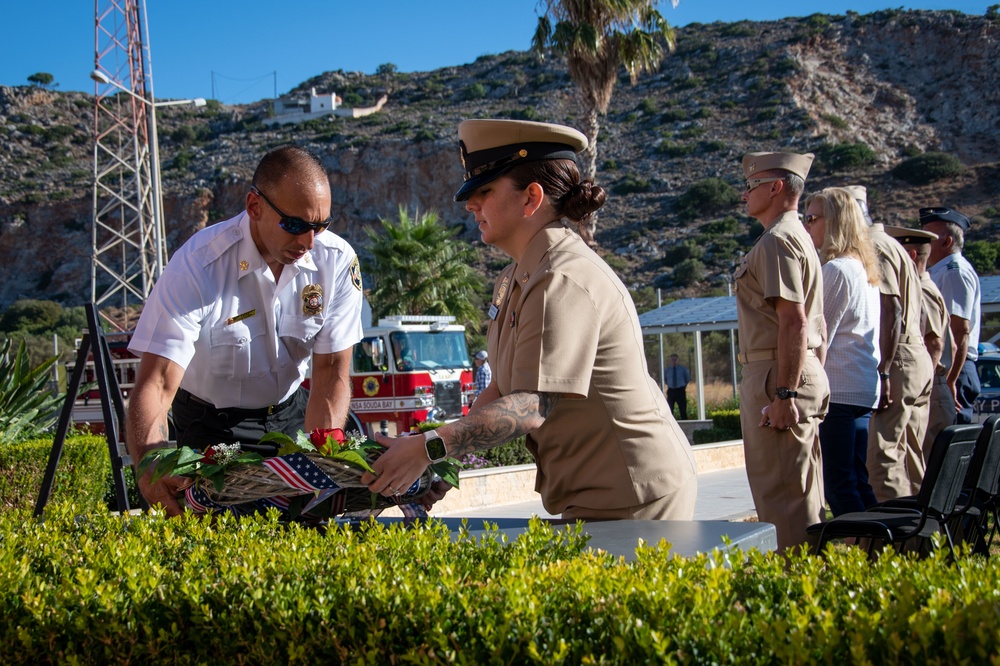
(129, 246)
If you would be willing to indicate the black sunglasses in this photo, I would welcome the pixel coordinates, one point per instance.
(293, 225)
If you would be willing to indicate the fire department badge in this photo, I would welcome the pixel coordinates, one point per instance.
(312, 299)
(370, 386)
(356, 274)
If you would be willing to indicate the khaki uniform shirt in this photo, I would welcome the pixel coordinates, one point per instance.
(935, 320)
(899, 278)
(782, 264)
(564, 323)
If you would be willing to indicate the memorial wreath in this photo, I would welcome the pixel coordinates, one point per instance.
(317, 475)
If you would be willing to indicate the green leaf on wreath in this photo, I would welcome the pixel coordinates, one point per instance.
(166, 461)
(210, 470)
(188, 455)
(353, 458)
(218, 480)
(447, 470)
(249, 457)
(286, 445)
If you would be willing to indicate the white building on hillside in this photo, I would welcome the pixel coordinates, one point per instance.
(298, 109)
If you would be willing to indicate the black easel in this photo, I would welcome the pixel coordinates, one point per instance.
(111, 404)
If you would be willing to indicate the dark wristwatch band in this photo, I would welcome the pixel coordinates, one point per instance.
(785, 393)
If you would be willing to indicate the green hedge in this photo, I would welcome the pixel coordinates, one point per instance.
(83, 474)
(150, 590)
(725, 427)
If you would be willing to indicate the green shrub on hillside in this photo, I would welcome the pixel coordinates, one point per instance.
(671, 149)
(689, 272)
(705, 197)
(631, 185)
(845, 156)
(927, 168)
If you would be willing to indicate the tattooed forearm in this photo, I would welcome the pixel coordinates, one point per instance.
(502, 420)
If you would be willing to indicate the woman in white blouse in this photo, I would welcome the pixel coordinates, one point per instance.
(851, 309)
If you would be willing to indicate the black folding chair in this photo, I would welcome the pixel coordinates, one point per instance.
(947, 468)
(979, 498)
(968, 521)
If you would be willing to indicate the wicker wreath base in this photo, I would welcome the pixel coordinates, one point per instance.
(248, 483)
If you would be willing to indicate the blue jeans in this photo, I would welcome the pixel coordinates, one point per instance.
(843, 439)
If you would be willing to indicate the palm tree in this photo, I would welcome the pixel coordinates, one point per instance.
(419, 268)
(597, 37)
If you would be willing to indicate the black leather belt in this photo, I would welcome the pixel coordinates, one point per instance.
(260, 412)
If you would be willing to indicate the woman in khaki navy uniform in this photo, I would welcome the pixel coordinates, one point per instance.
(568, 365)
(784, 392)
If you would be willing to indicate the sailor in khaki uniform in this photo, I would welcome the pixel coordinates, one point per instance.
(934, 324)
(784, 393)
(569, 370)
(898, 426)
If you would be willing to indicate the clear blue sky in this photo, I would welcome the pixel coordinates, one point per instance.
(254, 47)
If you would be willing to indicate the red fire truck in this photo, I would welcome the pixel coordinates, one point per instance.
(409, 369)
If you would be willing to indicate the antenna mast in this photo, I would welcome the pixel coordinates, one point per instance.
(129, 245)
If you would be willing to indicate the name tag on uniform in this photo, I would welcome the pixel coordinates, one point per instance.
(240, 317)
(501, 293)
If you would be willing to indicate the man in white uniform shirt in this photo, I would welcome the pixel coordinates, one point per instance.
(959, 284)
(229, 329)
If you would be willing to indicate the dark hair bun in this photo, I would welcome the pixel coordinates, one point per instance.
(583, 199)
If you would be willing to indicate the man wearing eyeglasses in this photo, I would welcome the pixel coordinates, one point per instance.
(228, 332)
(784, 392)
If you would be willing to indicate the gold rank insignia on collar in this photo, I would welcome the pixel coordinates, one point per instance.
(312, 299)
(244, 264)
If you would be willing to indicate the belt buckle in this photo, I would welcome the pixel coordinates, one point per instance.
(270, 410)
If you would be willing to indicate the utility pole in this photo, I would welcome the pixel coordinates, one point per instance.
(128, 239)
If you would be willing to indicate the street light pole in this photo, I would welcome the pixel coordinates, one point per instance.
(158, 227)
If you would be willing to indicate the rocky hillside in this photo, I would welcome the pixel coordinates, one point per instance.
(863, 92)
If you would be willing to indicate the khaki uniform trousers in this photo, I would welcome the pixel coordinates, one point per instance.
(785, 467)
(896, 434)
(941, 413)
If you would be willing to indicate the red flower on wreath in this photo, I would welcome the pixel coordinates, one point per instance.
(323, 438)
(209, 455)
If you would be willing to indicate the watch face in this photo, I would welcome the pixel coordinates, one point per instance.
(435, 449)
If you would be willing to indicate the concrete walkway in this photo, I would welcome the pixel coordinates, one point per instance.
(722, 495)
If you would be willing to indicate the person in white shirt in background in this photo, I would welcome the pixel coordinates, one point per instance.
(851, 310)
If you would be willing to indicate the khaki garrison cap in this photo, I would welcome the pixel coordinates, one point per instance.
(754, 163)
(860, 194)
(491, 148)
(910, 236)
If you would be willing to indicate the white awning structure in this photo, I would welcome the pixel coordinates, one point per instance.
(718, 313)
(694, 315)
